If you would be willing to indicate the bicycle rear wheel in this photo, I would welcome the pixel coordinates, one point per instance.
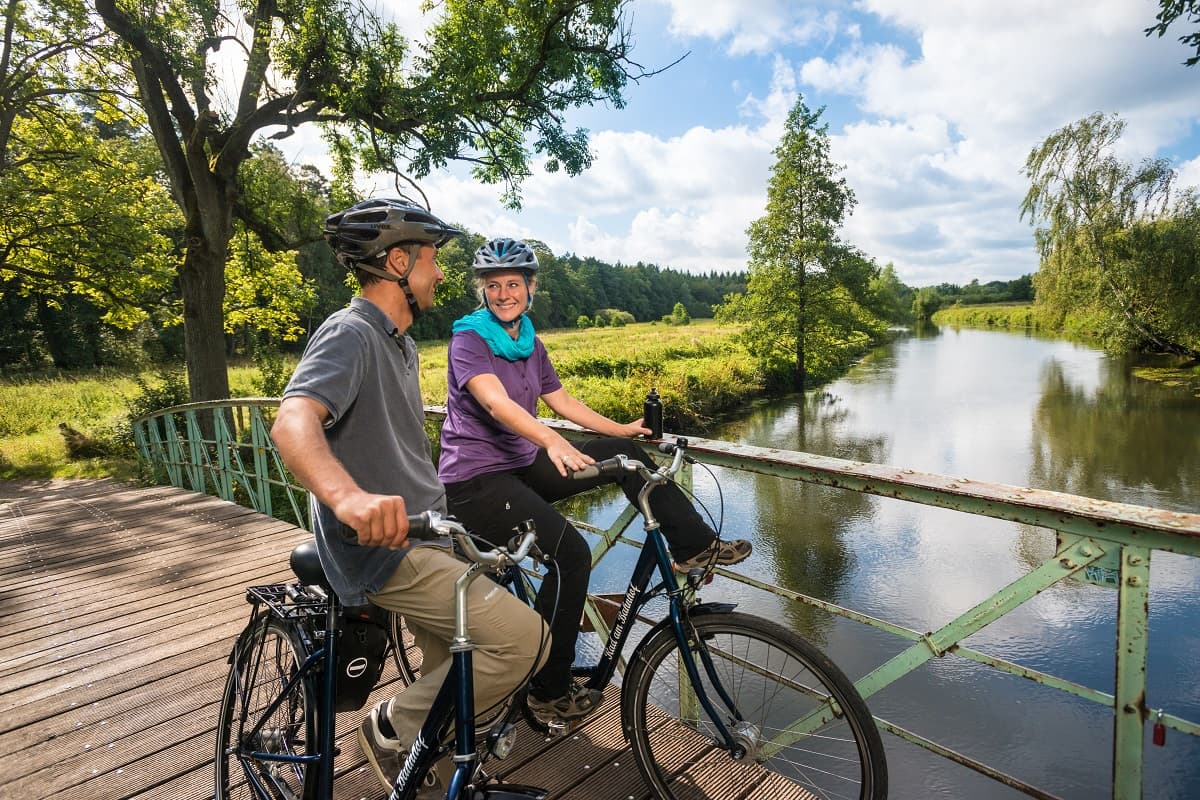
(779, 684)
(404, 651)
(251, 743)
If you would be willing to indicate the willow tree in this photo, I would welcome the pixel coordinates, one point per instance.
(805, 283)
(487, 83)
(1169, 12)
(1118, 249)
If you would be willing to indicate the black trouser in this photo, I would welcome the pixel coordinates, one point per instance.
(494, 503)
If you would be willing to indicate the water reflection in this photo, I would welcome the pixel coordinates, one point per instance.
(1122, 439)
(1013, 408)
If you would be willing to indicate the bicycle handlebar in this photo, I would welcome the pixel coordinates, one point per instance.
(618, 464)
(430, 524)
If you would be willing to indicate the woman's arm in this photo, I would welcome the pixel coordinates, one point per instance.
(490, 393)
(575, 410)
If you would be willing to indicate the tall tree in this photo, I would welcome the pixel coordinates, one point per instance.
(490, 73)
(802, 276)
(1102, 224)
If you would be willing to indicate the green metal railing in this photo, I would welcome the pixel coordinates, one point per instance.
(224, 448)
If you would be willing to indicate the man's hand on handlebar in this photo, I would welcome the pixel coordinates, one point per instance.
(378, 520)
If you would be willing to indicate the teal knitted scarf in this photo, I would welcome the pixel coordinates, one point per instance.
(484, 323)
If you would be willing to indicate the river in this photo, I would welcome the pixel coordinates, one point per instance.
(993, 406)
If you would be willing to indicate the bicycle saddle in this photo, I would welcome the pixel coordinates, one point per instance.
(307, 566)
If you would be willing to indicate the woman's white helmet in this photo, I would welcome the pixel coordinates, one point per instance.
(505, 254)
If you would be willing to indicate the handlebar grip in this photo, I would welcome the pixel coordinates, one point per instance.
(669, 448)
(609, 466)
(420, 526)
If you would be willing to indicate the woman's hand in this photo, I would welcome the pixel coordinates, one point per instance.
(566, 458)
(635, 428)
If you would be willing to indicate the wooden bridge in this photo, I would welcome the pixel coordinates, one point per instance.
(119, 608)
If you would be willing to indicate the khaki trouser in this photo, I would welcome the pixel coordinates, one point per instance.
(507, 634)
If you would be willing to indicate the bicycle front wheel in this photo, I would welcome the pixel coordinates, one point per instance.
(258, 747)
(796, 719)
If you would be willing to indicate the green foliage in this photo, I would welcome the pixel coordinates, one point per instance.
(489, 84)
(167, 388)
(599, 321)
(264, 291)
(1172, 10)
(888, 298)
(678, 316)
(805, 305)
(584, 321)
(83, 217)
(1015, 317)
(274, 372)
(925, 302)
(1119, 253)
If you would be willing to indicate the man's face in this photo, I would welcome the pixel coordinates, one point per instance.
(425, 274)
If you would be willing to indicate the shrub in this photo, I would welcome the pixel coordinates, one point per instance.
(584, 321)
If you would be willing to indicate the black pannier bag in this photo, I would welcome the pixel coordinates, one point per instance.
(362, 651)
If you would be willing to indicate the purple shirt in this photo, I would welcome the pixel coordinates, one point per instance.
(472, 442)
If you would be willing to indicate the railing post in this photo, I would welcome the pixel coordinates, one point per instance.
(1129, 702)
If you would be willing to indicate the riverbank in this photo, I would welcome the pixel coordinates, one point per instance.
(1001, 315)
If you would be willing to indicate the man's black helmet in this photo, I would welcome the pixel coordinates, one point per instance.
(368, 228)
(505, 254)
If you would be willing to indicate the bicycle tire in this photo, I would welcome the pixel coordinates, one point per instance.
(266, 655)
(405, 652)
(775, 678)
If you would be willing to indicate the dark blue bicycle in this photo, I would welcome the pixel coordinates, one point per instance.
(275, 734)
(717, 703)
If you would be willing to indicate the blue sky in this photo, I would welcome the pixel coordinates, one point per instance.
(932, 108)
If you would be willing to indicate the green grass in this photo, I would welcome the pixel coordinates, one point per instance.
(700, 372)
(93, 402)
(1000, 315)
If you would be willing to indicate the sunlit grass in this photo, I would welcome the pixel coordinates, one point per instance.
(699, 371)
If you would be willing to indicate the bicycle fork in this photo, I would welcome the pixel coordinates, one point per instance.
(654, 555)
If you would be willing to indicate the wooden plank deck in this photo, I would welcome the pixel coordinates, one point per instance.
(119, 607)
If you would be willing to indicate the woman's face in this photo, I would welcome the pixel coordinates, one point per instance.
(506, 294)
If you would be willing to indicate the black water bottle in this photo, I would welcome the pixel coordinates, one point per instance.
(652, 415)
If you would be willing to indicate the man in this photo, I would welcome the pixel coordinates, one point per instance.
(351, 430)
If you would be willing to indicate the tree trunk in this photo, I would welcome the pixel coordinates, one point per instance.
(800, 375)
(202, 282)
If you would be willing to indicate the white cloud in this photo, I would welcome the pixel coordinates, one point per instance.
(749, 26)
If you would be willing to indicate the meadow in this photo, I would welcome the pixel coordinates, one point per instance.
(700, 370)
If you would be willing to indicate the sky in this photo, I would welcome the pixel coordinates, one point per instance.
(932, 108)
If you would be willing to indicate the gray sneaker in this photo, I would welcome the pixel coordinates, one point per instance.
(386, 756)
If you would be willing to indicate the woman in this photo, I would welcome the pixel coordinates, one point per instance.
(501, 466)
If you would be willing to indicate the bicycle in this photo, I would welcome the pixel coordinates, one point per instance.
(275, 734)
(712, 697)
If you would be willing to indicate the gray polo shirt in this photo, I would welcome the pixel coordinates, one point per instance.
(365, 373)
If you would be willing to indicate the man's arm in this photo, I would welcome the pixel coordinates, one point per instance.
(299, 434)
